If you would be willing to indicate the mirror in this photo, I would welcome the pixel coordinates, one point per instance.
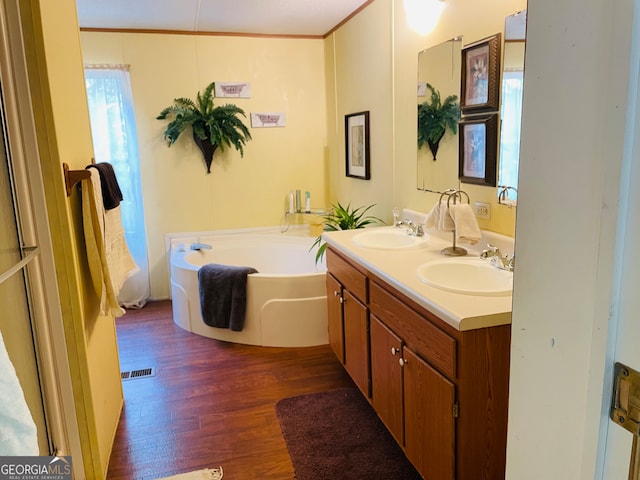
(438, 76)
(511, 109)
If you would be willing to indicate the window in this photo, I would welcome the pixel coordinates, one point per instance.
(113, 128)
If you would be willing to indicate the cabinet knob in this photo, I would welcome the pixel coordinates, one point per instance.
(394, 350)
(402, 362)
(336, 293)
(342, 300)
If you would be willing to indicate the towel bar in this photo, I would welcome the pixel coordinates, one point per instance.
(71, 177)
(455, 194)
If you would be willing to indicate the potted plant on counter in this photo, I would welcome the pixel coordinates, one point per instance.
(212, 126)
(343, 218)
(435, 117)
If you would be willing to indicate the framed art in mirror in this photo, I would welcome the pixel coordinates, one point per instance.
(480, 82)
(356, 130)
(478, 138)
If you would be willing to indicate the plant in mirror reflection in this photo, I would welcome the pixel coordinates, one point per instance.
(343, 218)
(435, 117)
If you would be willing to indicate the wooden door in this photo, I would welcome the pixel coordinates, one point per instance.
(386, 377)
(334, 311)
(429, 422)
(356, 341)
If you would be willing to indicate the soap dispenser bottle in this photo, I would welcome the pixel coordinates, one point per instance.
(307, 202)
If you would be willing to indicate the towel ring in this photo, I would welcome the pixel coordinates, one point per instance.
(454, 251)
(457, 194)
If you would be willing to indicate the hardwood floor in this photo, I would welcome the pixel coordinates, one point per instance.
(210, 403)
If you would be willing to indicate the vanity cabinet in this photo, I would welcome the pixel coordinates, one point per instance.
(415, 402)
(386, 378)
(429, 414)
(349, 319)
(441, 392)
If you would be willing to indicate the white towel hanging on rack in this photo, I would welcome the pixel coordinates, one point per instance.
(466, 225)
(440, 218)
(110, 261)
(451, 214)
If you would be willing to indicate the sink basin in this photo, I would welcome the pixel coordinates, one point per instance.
(389, 239)
(469, 276)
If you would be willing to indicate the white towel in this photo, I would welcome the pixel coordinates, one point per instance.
(119, 258)
(18, 432)
(439, 217)
(110, 261)
(466, 225)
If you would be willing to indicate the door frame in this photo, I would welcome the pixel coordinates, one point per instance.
(614, 446)
(49, 330)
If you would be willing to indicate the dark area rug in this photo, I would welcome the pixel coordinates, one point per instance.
(337, 435)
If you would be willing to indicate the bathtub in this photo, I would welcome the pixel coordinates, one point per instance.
(286, 299)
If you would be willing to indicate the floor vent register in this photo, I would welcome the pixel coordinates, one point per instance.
(134, 374)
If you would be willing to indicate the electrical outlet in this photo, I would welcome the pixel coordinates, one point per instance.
(482, 210)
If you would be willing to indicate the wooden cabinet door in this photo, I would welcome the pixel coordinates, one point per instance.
(429, 422)
(334, 311)
(356, 341)
(386, 377)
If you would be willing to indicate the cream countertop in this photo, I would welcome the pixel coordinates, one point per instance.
(398, 269)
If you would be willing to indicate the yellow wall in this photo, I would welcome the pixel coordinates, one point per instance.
(286, 75)
(562, 47)
(359, 63)
(473, 20)
(380, 76)
(62, 123)
(368, 64)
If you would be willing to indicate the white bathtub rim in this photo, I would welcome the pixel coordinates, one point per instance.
(273, 305)
(187, 238)
(181, 257)
(184, 240)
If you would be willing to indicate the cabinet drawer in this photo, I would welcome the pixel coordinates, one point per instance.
(350, 278)
(424, 338)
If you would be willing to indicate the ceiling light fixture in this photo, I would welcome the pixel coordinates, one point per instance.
(423, 15)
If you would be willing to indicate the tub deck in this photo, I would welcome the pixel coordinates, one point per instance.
(286, 300)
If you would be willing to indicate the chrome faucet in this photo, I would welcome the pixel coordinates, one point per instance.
(503, 195)
(497, 259)
(415, 230)
(200, 246)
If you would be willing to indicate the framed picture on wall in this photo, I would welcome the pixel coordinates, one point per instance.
(356, 131)
(480, 79)
(478, 137)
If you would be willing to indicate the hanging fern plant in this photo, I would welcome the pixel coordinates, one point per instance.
(435, 117)
(212, 126)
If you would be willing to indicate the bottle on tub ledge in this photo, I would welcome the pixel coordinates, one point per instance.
(291, 203)
(307, 202)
